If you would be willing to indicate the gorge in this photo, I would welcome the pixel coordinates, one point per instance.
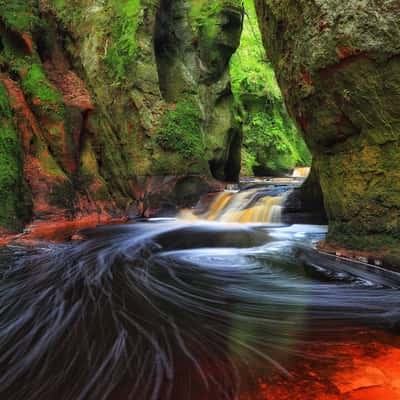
(94, 122)
(160, 236)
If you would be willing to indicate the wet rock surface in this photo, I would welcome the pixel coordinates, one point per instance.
(95, 95)
(365, 371)
(305, 204)
(338, 66)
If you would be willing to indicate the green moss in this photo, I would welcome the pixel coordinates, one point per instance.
(88, 159)
(168, 163)
(46, 100)
(19, 15)
(122, 45)
(12, 196)
(101, 194)
(89, 168)
(63, 195)
(348, 236)
(271, 142)
(181, 131)
(361, 190)
(48, 163)
(70, 13)
(249, 160)
(217, 30)
(250, 70)
(203, 14)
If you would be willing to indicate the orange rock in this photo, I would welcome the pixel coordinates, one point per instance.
(28, 41)
(345, 52)
(368, 370)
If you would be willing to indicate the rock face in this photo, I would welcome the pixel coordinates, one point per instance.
(97, 96)
(338, 64)
(271, 142)
(305, 204)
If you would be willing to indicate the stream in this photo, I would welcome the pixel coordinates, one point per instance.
(223, 303)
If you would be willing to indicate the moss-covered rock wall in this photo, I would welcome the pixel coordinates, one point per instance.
(95, 96)
(338, 64)
(272, 144)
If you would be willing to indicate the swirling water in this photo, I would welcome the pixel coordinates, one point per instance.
(177, 310)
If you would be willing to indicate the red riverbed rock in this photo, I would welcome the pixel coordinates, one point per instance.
(368, 370)
(58, 231)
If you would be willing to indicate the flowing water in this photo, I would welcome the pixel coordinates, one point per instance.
(301, 172)
(195, 309)
(248, 206)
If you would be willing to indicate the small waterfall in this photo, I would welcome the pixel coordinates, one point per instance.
(249, 206)
(301, 172)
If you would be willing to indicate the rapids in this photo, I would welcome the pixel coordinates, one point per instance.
(254, 205)
(182, 310)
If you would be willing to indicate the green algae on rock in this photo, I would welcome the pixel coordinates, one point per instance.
(14, 200)
(338, 65)
(104, 92)
(20, 15)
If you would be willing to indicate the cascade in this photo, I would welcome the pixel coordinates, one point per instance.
(301, 172)
(247, 206)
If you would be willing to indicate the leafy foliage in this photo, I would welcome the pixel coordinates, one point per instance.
(123, 46)
(271, 140)
(19, 15)
(273, 145)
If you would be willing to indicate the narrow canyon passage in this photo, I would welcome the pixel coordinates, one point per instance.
(199, 200)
